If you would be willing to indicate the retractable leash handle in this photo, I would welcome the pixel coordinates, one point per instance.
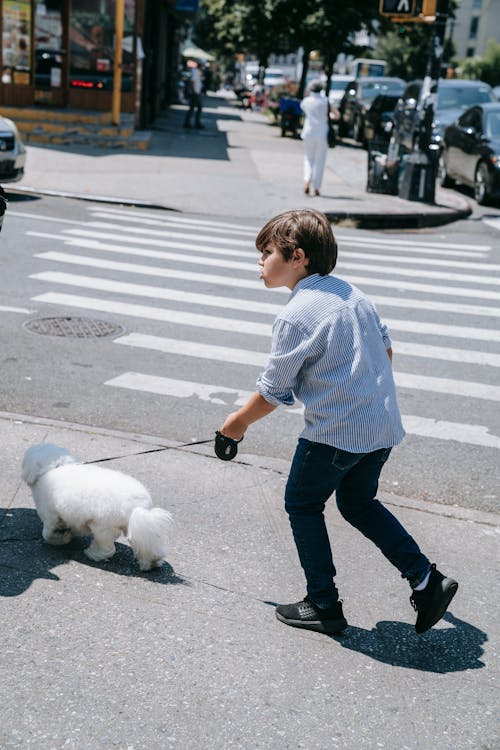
(225, 447)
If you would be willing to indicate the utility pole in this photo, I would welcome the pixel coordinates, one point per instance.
(117, 64)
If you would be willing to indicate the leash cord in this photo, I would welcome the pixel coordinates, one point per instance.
(151, 450)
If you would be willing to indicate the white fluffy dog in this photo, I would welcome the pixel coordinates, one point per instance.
(76, 498)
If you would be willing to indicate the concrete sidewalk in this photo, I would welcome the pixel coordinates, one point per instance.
(238, 166)
(191, 657)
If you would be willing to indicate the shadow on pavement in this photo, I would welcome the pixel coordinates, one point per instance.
(25, 557)
(440, 650)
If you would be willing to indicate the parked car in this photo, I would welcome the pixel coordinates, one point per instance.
(338, 85)
(358, 96)
(454, 96)
(12, 152)
(378, 119)
(471, 152)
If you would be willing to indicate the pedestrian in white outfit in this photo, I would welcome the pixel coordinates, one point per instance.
(315, 136)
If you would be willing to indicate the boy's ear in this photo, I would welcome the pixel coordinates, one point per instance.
(299, 257)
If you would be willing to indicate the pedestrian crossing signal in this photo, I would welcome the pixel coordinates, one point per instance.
(399, 8)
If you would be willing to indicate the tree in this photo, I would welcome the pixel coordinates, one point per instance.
(274, 26)
(486, 68)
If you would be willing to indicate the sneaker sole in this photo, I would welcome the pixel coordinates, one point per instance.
(448, 590)
(329, 627)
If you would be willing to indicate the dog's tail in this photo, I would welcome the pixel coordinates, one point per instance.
(147, 534)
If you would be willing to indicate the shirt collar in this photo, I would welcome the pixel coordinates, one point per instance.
(308, 282)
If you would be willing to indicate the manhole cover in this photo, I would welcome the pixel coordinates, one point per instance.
(80, 328)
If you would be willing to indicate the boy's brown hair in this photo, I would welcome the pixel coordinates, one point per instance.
(307, 229)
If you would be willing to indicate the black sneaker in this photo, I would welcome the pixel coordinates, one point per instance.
(432, 602)
(305, 614)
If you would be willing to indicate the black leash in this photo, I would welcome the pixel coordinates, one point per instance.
(225, 448)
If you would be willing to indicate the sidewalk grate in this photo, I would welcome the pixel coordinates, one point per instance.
(81, 328)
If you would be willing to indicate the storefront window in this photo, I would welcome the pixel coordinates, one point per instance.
(92, 44)
(48, 44)
(16, 42)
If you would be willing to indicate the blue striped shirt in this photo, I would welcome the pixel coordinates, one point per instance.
(329, 351)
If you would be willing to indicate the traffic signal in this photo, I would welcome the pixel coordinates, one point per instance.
(399, 8)
(429, 7)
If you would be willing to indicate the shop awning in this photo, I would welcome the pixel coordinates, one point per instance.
(196, 53)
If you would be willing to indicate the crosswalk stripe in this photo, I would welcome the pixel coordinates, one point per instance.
(172, 219)
(149, 235)
(239, 356)
(241, 326)
(157, 313)
(168, 219)
(156, 292)
(447, 385)
(214, 394)
(247, 357)
(457, 264)
(231, 281)
(392, 270)
(144, 290)
(169, 273)
(253, 253)
(425, 247)
(494, 222)
(449, 354)
(445, 276)
(193, 349)
(24, 310)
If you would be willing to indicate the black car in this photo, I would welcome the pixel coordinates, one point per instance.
(358, 96)
(378, 119)
(471, 152)
(454, 96)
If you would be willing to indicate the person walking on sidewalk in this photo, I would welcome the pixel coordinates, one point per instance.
(194, 94)
(315, 136)
(331, 351)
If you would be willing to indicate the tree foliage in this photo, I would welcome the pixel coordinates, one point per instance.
(485, 68)
(263, 27)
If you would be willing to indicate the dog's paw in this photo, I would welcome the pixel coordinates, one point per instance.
(97, 555)
(58, 538)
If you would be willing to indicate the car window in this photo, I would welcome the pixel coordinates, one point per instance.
(371, 90)
(463, 96)
(492, 128)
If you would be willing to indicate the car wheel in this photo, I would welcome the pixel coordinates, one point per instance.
(481, 184)
(444, 179)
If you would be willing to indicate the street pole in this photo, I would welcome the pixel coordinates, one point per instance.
(430, 85)
(117, 65)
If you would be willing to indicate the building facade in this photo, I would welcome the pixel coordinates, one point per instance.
(60, 53)
(475, 23)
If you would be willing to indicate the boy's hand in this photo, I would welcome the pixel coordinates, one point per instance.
(234, 426)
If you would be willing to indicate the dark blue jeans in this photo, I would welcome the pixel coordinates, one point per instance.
(319, 470)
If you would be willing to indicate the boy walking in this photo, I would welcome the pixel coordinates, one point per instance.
(331, 351)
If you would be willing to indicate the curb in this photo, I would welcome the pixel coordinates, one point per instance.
(27, 190)
(399, 221)
(362, 220)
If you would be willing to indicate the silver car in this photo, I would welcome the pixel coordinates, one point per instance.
(12, 152)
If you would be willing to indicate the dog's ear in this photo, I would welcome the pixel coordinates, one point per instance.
(31, 470)
(39, 459)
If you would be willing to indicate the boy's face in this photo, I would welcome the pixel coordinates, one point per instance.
(276, 271)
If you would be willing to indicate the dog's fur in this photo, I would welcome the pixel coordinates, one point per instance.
(73, 498)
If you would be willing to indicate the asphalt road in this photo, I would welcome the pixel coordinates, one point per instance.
(189, 330)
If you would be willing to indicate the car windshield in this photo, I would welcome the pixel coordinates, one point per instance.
(493, 125)
(463, 96)
(371, 90)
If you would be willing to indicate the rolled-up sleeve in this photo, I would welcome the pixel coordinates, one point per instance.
(290, 347)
